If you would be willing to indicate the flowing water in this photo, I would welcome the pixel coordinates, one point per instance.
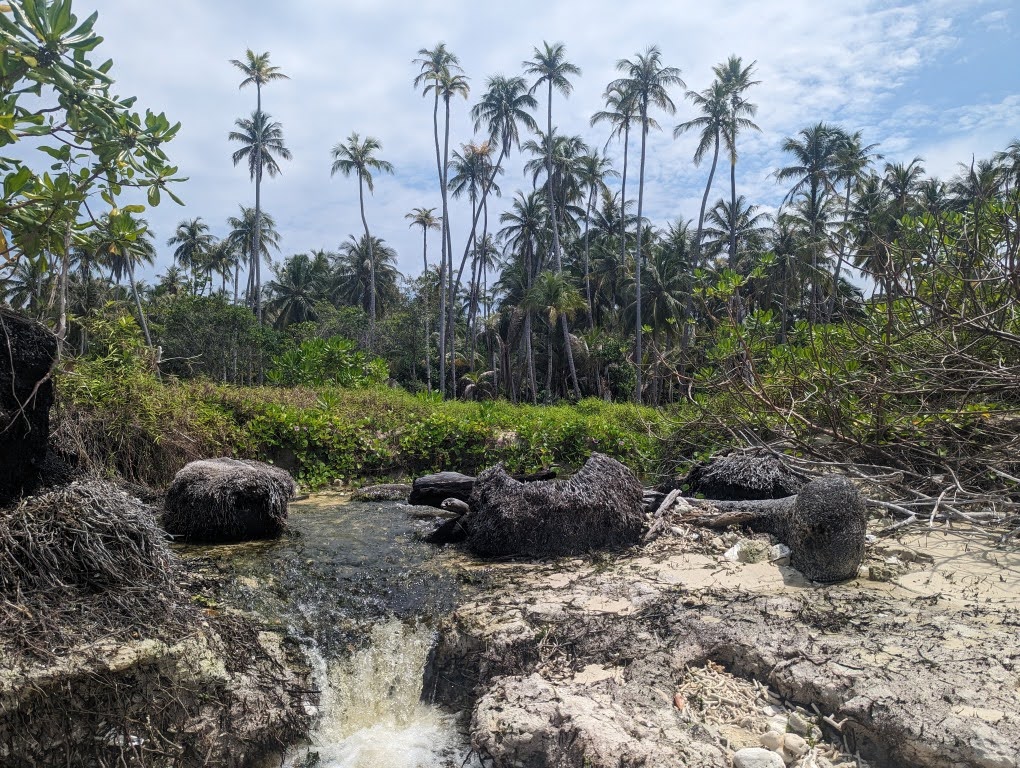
(355, 583)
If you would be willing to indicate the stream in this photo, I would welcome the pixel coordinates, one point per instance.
(362, 593)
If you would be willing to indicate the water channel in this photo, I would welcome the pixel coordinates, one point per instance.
(363, 593)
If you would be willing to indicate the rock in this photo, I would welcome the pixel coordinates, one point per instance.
(799, 724)
(27, 352)
(779, 554)
(227, 500)
(599, 507)
(382, 492)
(431, 490)
(448, 532)
(772, 740)
(741, 477)
(795, 745)
(755, 757)
(455, 506)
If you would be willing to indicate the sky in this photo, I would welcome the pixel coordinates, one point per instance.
(939, 79)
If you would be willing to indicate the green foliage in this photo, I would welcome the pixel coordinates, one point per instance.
(335, 361)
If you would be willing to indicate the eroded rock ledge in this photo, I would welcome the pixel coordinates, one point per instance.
(580, 663)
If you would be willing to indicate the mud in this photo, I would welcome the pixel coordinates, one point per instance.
(673, 655)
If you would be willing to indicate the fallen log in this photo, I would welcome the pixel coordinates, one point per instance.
(432, 490)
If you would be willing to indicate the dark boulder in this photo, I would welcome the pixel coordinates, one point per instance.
(740, 477)
(27, 353)
(599, 507)
(431, 490)
(217, 500)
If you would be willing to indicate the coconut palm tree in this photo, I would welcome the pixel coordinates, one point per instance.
(440, 73)
(593, 169)
(815, 154)
(552, 296)
(550, 66)
(713, 103)
(242, 238)
(261, 142)
(366, 267)
(736, 79)
(121, 242)
(258, 71)
(426, 219)
(222, 259)
(357, 156)
(300, 283)
(193, 242)
(647, 81)
(751, 224)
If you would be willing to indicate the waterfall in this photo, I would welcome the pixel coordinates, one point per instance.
(371, 713)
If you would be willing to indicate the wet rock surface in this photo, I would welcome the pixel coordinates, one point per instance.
(382, 492)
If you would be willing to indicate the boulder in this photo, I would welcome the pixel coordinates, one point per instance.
(431, 490)
(216, 500)
(599, 507)
(741, 477)
(27, 353)
(382, 492)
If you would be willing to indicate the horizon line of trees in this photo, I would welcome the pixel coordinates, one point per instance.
(571, 277)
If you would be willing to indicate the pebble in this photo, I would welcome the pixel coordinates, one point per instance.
(795, 745)
(754, 757)
(772, 740)
(778, 723)
(799, 724)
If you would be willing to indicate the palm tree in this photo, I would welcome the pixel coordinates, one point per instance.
(713, 102)
(426, 219)
(550, 66)
(647, 82)
(852, 160)
(223, 259)
(122, 242)
(553, 297)
(365, 267)
(440, 73)
(257, 71)
(736, 79)
(358, 157)
(751, 224)
(193, 243)
(593, 169)
(243, 238)
(815, 156)
(300, 283)
(261, 141)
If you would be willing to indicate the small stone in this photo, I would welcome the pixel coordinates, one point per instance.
(778, 723)
(756, 758)
(772, 740)
(799, 724)
(779, 554)
(795, 745)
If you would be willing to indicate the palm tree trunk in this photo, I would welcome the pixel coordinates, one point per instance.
(549, 363)
(704, 203)
(443, 250)
(529, 353)
(424, 274)
(257, 241)
(448, 302)
(138, 303)
(587, 270)
(733, 209)
(637, 261)
(371, 266)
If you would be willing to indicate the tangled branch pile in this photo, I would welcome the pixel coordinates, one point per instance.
(82, 562)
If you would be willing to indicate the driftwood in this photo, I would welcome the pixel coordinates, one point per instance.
(432, 490)
(824, 525)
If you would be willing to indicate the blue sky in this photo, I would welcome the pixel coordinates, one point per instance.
(934, 78)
